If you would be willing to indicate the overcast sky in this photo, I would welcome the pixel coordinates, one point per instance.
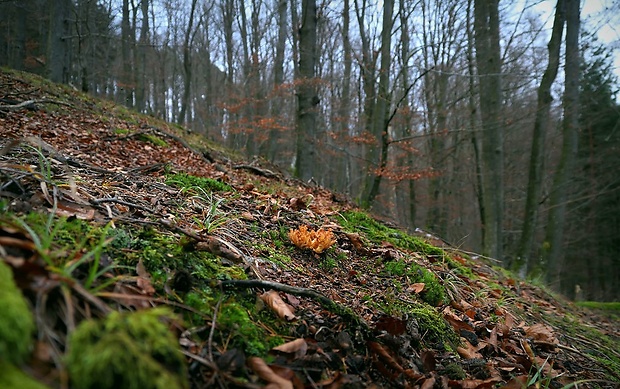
(601, 16)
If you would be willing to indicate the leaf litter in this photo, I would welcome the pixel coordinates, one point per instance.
(350, 322)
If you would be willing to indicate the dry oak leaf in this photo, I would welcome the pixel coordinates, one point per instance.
(317, 241)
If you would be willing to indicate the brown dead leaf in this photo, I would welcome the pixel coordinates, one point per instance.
(220, 248)
(469, 351)
(541, 332)
(292, 300)
(144, 279)
(428, 383)
(456, 322)
(261, 369)
(297, 204)
(518, 382)
(275, 302)
(416, 288)
(356, 241)
(296, 348)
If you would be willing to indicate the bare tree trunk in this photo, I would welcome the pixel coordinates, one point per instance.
(187, 64)
(345, 100)
(486, 28)
(380, 110)
(58, 67)
(126, 41)
(552, 248)
(307, 98)
(278, 79)
(473, 118)
(541, 125)
(143, 48)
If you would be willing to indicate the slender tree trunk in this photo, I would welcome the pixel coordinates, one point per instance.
(552, 249)
(58, 68)
(143, 48)
(278, 80)
(541, 124)
(307, 98)
(486, 27)
(126, 40)
(380, 110)
(187, 65)
(345, 99)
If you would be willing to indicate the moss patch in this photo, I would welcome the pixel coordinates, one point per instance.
(377, 232)
(153, 139)
(433, 293)
(244, 332)
(16, 321)
(183, 180)
(13, 377)
(126, 350)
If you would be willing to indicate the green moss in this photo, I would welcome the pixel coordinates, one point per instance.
(13, 378)
(244, 332)
(377, 232)
(454, 371)
(153, 139)
(433, 293)
(613, 306)
(16, 321)
(433, 327)
(126, 350)
(183, 180)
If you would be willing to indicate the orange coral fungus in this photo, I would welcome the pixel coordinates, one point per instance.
(317, 241)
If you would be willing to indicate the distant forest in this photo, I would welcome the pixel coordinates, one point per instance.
(476, 121)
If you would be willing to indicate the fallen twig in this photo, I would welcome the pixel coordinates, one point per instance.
(31, 104)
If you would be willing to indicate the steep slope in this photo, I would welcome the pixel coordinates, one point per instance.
(259, 279)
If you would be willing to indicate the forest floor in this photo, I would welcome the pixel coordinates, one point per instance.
(116, 225)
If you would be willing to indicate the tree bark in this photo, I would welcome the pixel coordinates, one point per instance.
(143, 48)
(541, 124)
(379, 154)
(307, 97)
(58, 67)
(187, 64)
(126, 40)
(552, 247)
(486, 28)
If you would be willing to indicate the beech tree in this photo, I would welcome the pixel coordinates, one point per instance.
(541, 125)
(488, 60)
(552, 246)
(307, 98)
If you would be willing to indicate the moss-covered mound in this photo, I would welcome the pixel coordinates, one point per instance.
(16, 321)
(126, 350)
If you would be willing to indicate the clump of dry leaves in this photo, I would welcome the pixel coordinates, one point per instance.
(317, 241)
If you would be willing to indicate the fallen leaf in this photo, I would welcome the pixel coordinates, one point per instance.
(416, 288)
(469, 351)
(275, 302)
(261, 369)
(297, 348)
(541, 332)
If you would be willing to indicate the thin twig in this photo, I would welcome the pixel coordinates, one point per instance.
(118, 201)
